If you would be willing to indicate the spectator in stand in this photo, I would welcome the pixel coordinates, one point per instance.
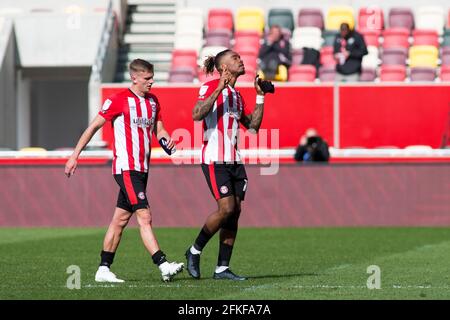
(349, 49)
(312, 147)
(274, 52)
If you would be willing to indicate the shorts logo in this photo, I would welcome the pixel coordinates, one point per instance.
(141, 195)
(223, 189)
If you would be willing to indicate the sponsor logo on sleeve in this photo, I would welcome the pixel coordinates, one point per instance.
(106, 105)
(202, 91)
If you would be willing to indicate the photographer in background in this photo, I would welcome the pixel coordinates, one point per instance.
(312, 148)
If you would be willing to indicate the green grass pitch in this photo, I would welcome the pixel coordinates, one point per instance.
(286, 263)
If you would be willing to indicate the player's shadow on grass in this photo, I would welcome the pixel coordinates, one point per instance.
(276, 276)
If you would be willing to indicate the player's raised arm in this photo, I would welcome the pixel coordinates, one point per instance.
(253, 121)
(87, 135)
(203, 107)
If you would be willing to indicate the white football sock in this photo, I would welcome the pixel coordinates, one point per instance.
(194, 251)
(220, 269)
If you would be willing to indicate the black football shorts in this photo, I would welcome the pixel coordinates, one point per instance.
(132, 193)
(225, 180)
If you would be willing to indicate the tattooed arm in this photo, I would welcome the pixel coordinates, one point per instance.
(203, 107)
(253, 121)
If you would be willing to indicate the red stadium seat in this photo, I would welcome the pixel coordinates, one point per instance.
(182, 74)
(394, 56)
(310, 18)
(247, 41)
(401, 18)
(371, 37)
(302, 73)
(327, 73)
(202, 77)
(423, 74)
(396, 38)
(218, 38)
(425, 38)
(392, 73)
(368, 75)
(220, 19)
(327, 57)
(184, 58)
(371, 18)
(249, 59)
(445, 56)
(445, 73)
(297, 56)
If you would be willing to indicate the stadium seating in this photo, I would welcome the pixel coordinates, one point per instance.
(218, 37)
(188, 40)
(396, 38)
(370, 60)
(371, 18)
(327, 56)
(219, 19)
(368, 75)
(297, 56)
(394, 56)
(184, 58)
(423, 56)
(430, 18)
(202, 77)
(392, 73)
(182, 75)
(302, 73)
(445, 56)
(250, 19)
(328, 37)
(249, 59)
(327, 74)
(282, 17)
(422, 74)
(337, 15)
(307, 37)
(189, 19)
(425, 38)
(310, 17)
(371, 37)
(444, 75)
(401, 18)
(247, 41)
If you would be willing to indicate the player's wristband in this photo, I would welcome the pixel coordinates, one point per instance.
(259, 99)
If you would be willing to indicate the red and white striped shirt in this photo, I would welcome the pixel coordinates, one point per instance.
(221, 125)
(133, 119)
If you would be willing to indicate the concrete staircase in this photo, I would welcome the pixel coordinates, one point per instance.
(149, 35)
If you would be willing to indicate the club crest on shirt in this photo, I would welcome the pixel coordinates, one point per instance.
(141, 195)
(223, 189)
(153, 103)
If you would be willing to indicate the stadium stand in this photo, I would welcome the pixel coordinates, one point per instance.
(218, 37)
(182, 75)
(310, 17)
(302, 73)
(392, 73)
(368, 74)
(371, 37)
(327, 73)
(370, 19)
(423, 56)
(444, 74)
(401, 18)
(430, 18)
(250, 19)
(219, 19)
(184, 59)
(327, 56)
(422, 74)
(282, 17)
(247, 41)
(394, 56)
(397, 37)
(337, 15)
(307, 37)
(422, 37)
(445, 56)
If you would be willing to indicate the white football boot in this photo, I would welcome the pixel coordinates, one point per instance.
(105, 275)
(170, 269)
